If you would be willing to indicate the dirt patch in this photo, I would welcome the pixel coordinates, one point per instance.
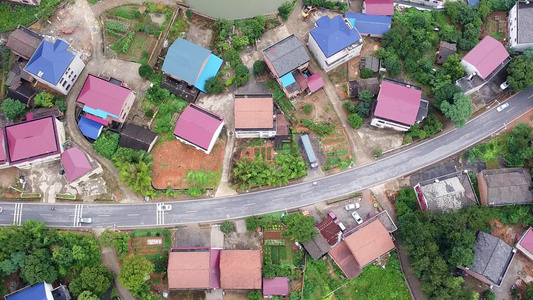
(272, 235)
(243, 241)
(236, 295)
(8, 177)
(496, 26)
(509, 234)
(157, 18)
(186, 295)
(146, 245)
(369, 47)
(173, 160)
(266, 151)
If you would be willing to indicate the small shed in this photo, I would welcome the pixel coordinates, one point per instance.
(90, 128)
(445, 49)
(370, 62)
(277, 286)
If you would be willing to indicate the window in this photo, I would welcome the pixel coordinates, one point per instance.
(61, 81)
(68, 87)
(69, 76)
(64, 82)
(74, 77)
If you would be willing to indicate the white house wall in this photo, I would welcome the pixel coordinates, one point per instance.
(247, 134)
(330, 63)
(469, 68)
(126, 107)
(381, 123)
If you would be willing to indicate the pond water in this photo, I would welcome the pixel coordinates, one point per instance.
(235, 9)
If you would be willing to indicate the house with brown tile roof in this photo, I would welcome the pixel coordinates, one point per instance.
(364, 245)
(189, 268)
(240, 269)
(254, 116)
(24, 42)
(507, 186)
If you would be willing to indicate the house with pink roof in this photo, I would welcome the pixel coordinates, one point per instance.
(78, 166)
(399, 106)
(378, 7)
(525, 244)
(31, 142)
(199, 128)
(105, 100)
(485, 58)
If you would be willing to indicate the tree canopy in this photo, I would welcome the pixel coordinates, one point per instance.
(520, 72)
(213, 85)
(459, 111)
(134, 273)
(518, 146)
(135, 169)
(44, 99)
(13, 108)
(96, 279)
(300, 228)
(106, 144)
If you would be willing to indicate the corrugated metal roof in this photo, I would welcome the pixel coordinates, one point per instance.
(197, 126)
(100, 94)
(34, 292)
(333, 35)
(277, 286)
(308, 148)
(398, 102)
(185, 60)
(487, 56)
(369, 24)
(379, 7)
(89, 128)
(50, 61)
(75, 163)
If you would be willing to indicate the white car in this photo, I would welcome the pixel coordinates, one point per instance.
(502, 107)
(352, 206)
(504, 85)
(86, 220)
(1, 209)
(357, 218)
(165, 207)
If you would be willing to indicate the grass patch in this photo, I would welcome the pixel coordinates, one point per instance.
(375, 283)
(157, 232)
(11, 15)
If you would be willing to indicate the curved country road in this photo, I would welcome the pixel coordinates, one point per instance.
(288, 197)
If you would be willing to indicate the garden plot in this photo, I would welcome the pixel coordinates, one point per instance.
(259, 148)
(132, 35)
(496, 26)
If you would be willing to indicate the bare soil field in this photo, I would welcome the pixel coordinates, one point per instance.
(173, 160)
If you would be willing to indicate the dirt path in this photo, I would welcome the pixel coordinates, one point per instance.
(110, 260)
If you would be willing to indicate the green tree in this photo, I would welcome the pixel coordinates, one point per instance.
(155, 94)
(96, 279)
(460, 111)
(446, 93)
(529, 53)
(134, 272)
(38, 268)
(213, 85)
(501, 4)
(252, 223)
(300, 228)
(518, 146)
(107, 238)
(239, 42)
(259, 67)
(308, 109)
(255, 295)
(64, 259)
(470, 37)
(12, 108)
(520, 72)
(363, 108)
(227, 227)
(453, 67)
(44, 99)
(106, 144)
(366, 73)
(145, 71)
(88, 296)
(355, 120)
(529, 292)
(242, 74)
(285, 10)
(449, 33)
(135, 169)
(188, 13)
(393, 66)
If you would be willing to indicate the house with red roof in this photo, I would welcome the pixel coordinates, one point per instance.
(31, 142)
(78, 166)
(525, 244)
(399, 106)
(277, 286)
(254, 116)
(105, 100)
(485, 58)
(198, 127)
(378, 7)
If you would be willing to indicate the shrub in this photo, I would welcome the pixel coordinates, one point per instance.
(44, 99)
(145, 71)
(252, 223)
(355, 120)
(61, 105)
(489, 295)
(149, 113)
(308, 108)
(242, 74)
(366, 73)
(259, 67)
(254, 295)
(188, 13)
(285, 10)
(12, 108)
(227, 227)
(137, 14)
(213, 85)
(378, 152)
(106, 144)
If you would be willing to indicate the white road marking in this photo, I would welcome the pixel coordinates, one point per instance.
(132, 215)
(219, 208)
(510, 109)
(249, 204)
(17, 214)
(335, 185)
(191, 211)
(104, 215)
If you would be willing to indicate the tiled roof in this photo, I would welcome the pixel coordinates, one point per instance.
(317, 246)
(369, 24)
(3, 155)
(315, 82)
(100, 94)
(136, 137)
(286, 55)
(329, 230)
(492, 256)
(507, 186)
(31, 140)
(277, 286)
(379, 7)
(527, 240)
(189, 269)
(487, 56)
(24, 41)
(240, 269)
(333, 35)
(197, 126)
(254, 112)
(398, 102)
(75, 163)
(344, 258)
(369, 242)
(50, 61)
(37, 291)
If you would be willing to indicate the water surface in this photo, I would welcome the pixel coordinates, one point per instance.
(235, 9)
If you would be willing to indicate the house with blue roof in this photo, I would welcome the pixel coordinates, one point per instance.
(55, 65)
(188, 62)
(369, 25)
(40, 291)
(333, 42)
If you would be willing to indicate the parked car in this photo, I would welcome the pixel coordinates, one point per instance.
(352, 206)
(307, 10)
(86, 220)
(165, 207)
(334, 217)
(357, 218)
(341, 226)
(504, 85)
(502, 107)
(1, 209)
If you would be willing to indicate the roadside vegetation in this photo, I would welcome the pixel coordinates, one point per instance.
(439, 242)
(335, 5)
(12, 14)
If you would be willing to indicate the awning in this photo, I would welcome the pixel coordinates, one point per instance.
(89, 128)
(315, 82)
(287, 79)
(97, 119)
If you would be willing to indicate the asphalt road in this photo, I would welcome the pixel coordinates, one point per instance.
(288, 197)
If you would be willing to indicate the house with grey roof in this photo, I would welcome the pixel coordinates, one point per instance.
(508, 186)
(287, 60)
(520, 23)
(446, 193)
(317, 246)
(492, 259)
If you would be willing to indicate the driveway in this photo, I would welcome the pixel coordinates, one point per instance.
(110, 260)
